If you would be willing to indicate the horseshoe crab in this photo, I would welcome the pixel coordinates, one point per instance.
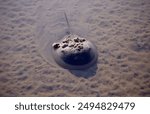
(74, 52)
(69, 51)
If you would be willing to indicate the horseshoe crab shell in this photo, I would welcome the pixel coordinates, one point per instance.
(74, 52)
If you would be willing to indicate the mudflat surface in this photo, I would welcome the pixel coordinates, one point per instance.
(120, 29)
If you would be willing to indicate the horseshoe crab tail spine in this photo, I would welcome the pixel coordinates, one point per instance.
(69, 29)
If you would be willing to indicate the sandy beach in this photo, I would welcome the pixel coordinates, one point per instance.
(120, 29)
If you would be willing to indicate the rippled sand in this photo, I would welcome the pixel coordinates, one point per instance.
(120, 29)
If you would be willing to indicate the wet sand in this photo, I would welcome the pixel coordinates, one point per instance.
(120, 29)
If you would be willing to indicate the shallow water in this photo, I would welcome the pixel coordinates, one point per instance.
(120, 29)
